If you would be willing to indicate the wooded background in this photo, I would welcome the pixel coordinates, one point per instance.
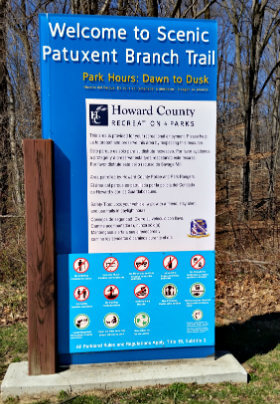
(248, 130)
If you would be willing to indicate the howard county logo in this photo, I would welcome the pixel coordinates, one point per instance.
(98, 115)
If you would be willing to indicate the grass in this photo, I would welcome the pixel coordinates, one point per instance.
(13, 345)
(255, 342)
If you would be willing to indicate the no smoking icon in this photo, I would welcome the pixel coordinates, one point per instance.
(198, 261)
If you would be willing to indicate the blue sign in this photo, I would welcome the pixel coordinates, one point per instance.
(137, 302)
(130, 104)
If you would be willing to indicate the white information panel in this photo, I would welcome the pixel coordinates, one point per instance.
(151, 175)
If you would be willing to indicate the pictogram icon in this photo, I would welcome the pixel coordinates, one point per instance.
(81, 293)
(170, 262)
(141, 291)
(142, 320)
(111, 264)
(197, 315)
(81, 321)
(141, 263)
(111, 320)
(111, 292)
(81, 265)
(197, 290)
(170, 291)
(197, 261)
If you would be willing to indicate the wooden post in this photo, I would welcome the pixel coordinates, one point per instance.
(40, 256)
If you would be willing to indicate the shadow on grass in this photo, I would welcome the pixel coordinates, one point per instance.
(258, 335)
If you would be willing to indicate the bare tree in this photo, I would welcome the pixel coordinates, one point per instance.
(253, 27)
(20, 21)
(273, 124)
(4, 139)
(16, 179)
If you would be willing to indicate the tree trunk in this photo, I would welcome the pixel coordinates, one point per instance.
(246, 165)
(23, 32)
(13, 147)
(275, 141)
(122, 7)
(84, 6)
(75, 6)
(4, 143)
(152, 8)
(207, 12)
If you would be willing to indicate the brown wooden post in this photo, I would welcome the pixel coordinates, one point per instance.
(40, 256)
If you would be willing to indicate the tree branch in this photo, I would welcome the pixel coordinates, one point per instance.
(266, 81)
(189, 8)
(205, 8)
(105, 7)
(176, 8)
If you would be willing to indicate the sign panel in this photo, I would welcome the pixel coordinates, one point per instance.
(132, 308)
(131, 106)
(150, 175)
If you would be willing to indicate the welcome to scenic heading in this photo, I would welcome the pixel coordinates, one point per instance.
(129, 55)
